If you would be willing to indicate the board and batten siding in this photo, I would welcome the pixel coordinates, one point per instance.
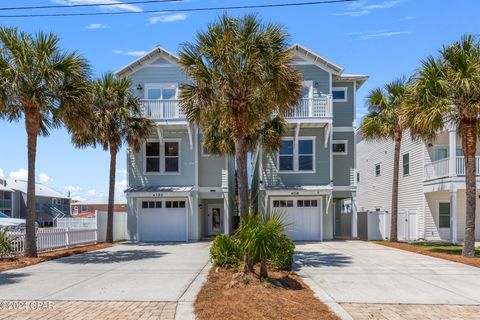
(321, 176)
(344, 112)
(374, 192)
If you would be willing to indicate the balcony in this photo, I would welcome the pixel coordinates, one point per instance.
(311, 108)
(440, 168)
(161, 109)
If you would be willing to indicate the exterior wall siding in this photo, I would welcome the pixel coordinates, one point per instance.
(319, 76)
(145, 75)
(344, 112)
(343, 163)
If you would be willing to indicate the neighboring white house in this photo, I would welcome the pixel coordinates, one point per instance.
(431, 184)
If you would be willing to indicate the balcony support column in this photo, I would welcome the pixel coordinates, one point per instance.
(354, 216)
(452, 151)
(453, 217)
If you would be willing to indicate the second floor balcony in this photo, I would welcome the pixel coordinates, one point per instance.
(447, 167)
(310, 108)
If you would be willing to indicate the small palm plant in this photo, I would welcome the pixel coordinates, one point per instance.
(258, 234)
(6, 242)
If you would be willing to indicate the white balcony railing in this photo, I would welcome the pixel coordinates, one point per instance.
(161, 109)
(320, 107)
(440, 168)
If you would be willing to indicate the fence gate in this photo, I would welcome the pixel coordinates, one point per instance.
(407, 225)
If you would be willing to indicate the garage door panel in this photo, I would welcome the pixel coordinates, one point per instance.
(162, 224)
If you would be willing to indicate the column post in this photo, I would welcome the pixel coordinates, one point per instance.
(452, 151)
(453, 217)
(354, 216)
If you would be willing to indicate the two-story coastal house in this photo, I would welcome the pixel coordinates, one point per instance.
(310, 180)
(178, 192)
(431, 196)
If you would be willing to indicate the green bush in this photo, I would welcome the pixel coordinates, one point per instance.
(225, 251)
(5, 243)
(282, 250)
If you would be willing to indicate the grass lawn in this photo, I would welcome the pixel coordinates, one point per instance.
(437, 249)
(20, 261)
(235, 296)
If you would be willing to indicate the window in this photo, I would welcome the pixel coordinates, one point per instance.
(283, 203)
(339, 94)
(84, 208)
(358, 177)
(307, 203)
(444, 215)
(300, 159)
(152, 156)
(441, 152)
(286, 156)
(161, 91)
(406, 164)
(172, 156)
(151, 204)
(205, 152)
(377, 169)
(175, 204)
(339, 147)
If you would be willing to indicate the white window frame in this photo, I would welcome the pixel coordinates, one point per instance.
(162, 156)
(440, 146)
(296, 155)
(375, 168)
(340, 142)
(344, 89)
(403, 164)
(168, 85)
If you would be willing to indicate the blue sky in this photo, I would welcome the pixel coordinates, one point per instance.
(384, 39)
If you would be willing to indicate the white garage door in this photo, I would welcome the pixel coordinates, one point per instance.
(162, 220)
(302, 215)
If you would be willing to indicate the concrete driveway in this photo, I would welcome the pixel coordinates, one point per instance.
(125, 272)
(357, 272)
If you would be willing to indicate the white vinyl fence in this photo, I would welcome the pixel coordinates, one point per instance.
(119, 226)
(77, 223)
(378, 225)
(55, 238)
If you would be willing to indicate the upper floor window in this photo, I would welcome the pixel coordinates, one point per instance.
(152, 156)
(167, 91)
(377, 169)
(339, 94)
(166, 159)
(172, 156)
(406, 164)
(339, 147)
(297, 158)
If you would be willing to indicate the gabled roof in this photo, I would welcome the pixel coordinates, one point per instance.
(40, 189)
(145, 59)
(317, 59)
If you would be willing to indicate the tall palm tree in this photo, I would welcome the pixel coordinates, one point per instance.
(241, 71)
(446, 92)
(45, 85)
(115, 118)
(384, 122)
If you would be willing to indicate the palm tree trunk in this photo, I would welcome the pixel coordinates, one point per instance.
(242, 176)
(396, 167)
(263, 269)
(111, 193)
(469, 143)
(32, 126)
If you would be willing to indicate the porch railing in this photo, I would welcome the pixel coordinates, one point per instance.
(440, 168)
(161, 109)
(460, 165)
(319, 107)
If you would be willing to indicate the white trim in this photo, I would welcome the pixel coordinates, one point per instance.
(296, 155)
(144, 60)
(161, 156)
(166, 85)
(325, 190)
(344, 89)
(343, 129)
(344, 188)
(316, 59)
(345, 142)
(162, 152)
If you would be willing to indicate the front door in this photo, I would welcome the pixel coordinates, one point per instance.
(214, 219)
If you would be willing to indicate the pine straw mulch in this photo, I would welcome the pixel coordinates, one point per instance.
(20, 261)
(228, 294)
(437, 253)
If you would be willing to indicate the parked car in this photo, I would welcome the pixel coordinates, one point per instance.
(14, 224)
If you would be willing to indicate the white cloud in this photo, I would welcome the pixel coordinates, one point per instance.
(73, 188)
(362, 8)
(21, 174)
(121, 5)
(78, 198)
(167, 18)
(93, 26)
(368, 36)
(121, 185)
(1, 173)
(133, 53)
(92, 192)
(44, 178)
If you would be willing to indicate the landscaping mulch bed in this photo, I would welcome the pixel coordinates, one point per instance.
(20, 261)
(452, 255)
(228, 294)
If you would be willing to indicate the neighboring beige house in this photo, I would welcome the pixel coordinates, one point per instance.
(431, 185)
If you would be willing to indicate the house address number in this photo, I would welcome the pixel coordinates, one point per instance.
(157, 195)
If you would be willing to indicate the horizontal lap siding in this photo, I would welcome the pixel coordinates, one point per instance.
(319, 76)
(342, 164)
(343, 112)
(157, 75)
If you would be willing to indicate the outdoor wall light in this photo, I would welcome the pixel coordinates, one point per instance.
(430, 145)
(139, 87)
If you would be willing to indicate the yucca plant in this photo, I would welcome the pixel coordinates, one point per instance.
(6, 242)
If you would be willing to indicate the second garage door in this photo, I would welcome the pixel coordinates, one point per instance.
(162, 220)
(303, 217)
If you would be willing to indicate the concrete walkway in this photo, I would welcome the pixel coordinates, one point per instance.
(127, 272)
(363, 273)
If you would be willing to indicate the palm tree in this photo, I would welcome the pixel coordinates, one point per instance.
(45, 85)
(242, 73)
(446, 93)
(384, 122)
(115, 118)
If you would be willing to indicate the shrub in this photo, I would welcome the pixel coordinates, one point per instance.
(5, 243)
(225, 251)
(282, 251)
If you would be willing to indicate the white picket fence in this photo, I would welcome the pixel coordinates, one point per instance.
(77, 223)
(55, 238)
